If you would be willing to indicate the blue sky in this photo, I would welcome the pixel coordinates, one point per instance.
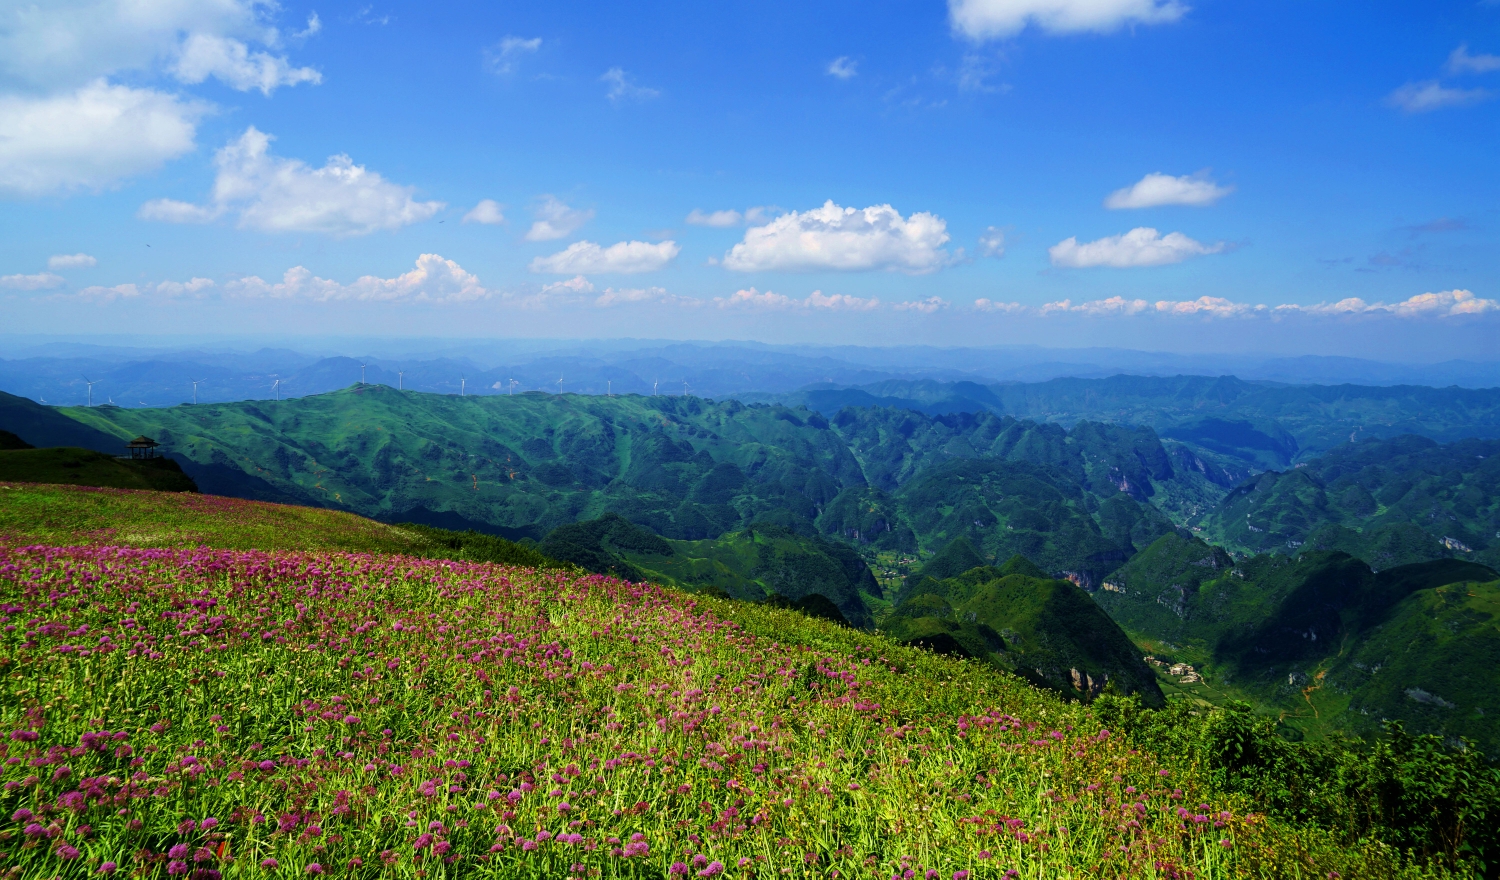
(1277, 176)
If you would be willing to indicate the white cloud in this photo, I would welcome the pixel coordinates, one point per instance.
(845, 239)
(488, 211)
(194, 287)
(639, 295)
(64, 44)
(925, 306)
(1009, 308)
(90, 138)
(554, 220)
(1444, 304)
(110, 294)
(577, 285)
(40, 281)
(506, 55)
(1208, 306)
(1460, 61)
(627, 256)
(718, 219)
(751, 298)
(433, 280)
(1429, 95)
(842, 68)
(232, 62)
(992, 242)
(174, 211)
(71, 261)
(1142, 246)
(989, 19)
(272, 194)
(1157, 189)
(621, 87)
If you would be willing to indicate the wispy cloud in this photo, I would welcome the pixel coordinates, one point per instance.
(1429, 95)
(1461, 62)
(622, 88)
(505, 56)
(750, 298)
(1444, 304)
(39, 281)
(488, 212)
(992, 19)
(584, 257)
(843, 68)
(71, 261)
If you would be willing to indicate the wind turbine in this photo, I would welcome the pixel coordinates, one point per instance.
(653, 387)
(559, 384)
(276, 388)
(461, 381)
(195, 389)
(362, 373)
(91, 388)
(400, 380)
(684, 388)
(513, 384)
(609, 388)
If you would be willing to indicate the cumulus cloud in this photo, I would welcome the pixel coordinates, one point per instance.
(750, 298)
(488, 211)
(842, 68)
(90, 138)
(990, 19)
(68, 127)
(554, 220)
(273, 194)
(1158, 189)
(40, 281)
(844, 239)
(925, 306)
(64, 44)
(992, 242)
(434, 279)
(71, 261)
(1429, 95)
(503, 57)
(719, 219)
(622, 88)
(231, 62)
(1444, 304)
(627, 256)
(984, 304)
(1142, 246)
(1461, 62)
(576, 285)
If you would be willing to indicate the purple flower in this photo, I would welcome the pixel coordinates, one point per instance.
(429, 788)
(108, 868)
(960, 875)
(678, 868)
(208, 823)
(177, 867)
(66, 852)
(314, 868)
(34, 830)
(714, 869)
(423, 842)
(269, 864)
(180, 851)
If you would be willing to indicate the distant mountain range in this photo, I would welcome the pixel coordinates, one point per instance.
(163, 376)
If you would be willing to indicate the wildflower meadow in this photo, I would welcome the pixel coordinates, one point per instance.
(208, 713)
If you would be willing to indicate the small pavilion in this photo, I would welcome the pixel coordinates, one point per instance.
(142, 447)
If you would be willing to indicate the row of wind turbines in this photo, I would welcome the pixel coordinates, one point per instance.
(463, 381)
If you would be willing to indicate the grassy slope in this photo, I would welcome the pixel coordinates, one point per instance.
(84, 467)
(724, 729)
